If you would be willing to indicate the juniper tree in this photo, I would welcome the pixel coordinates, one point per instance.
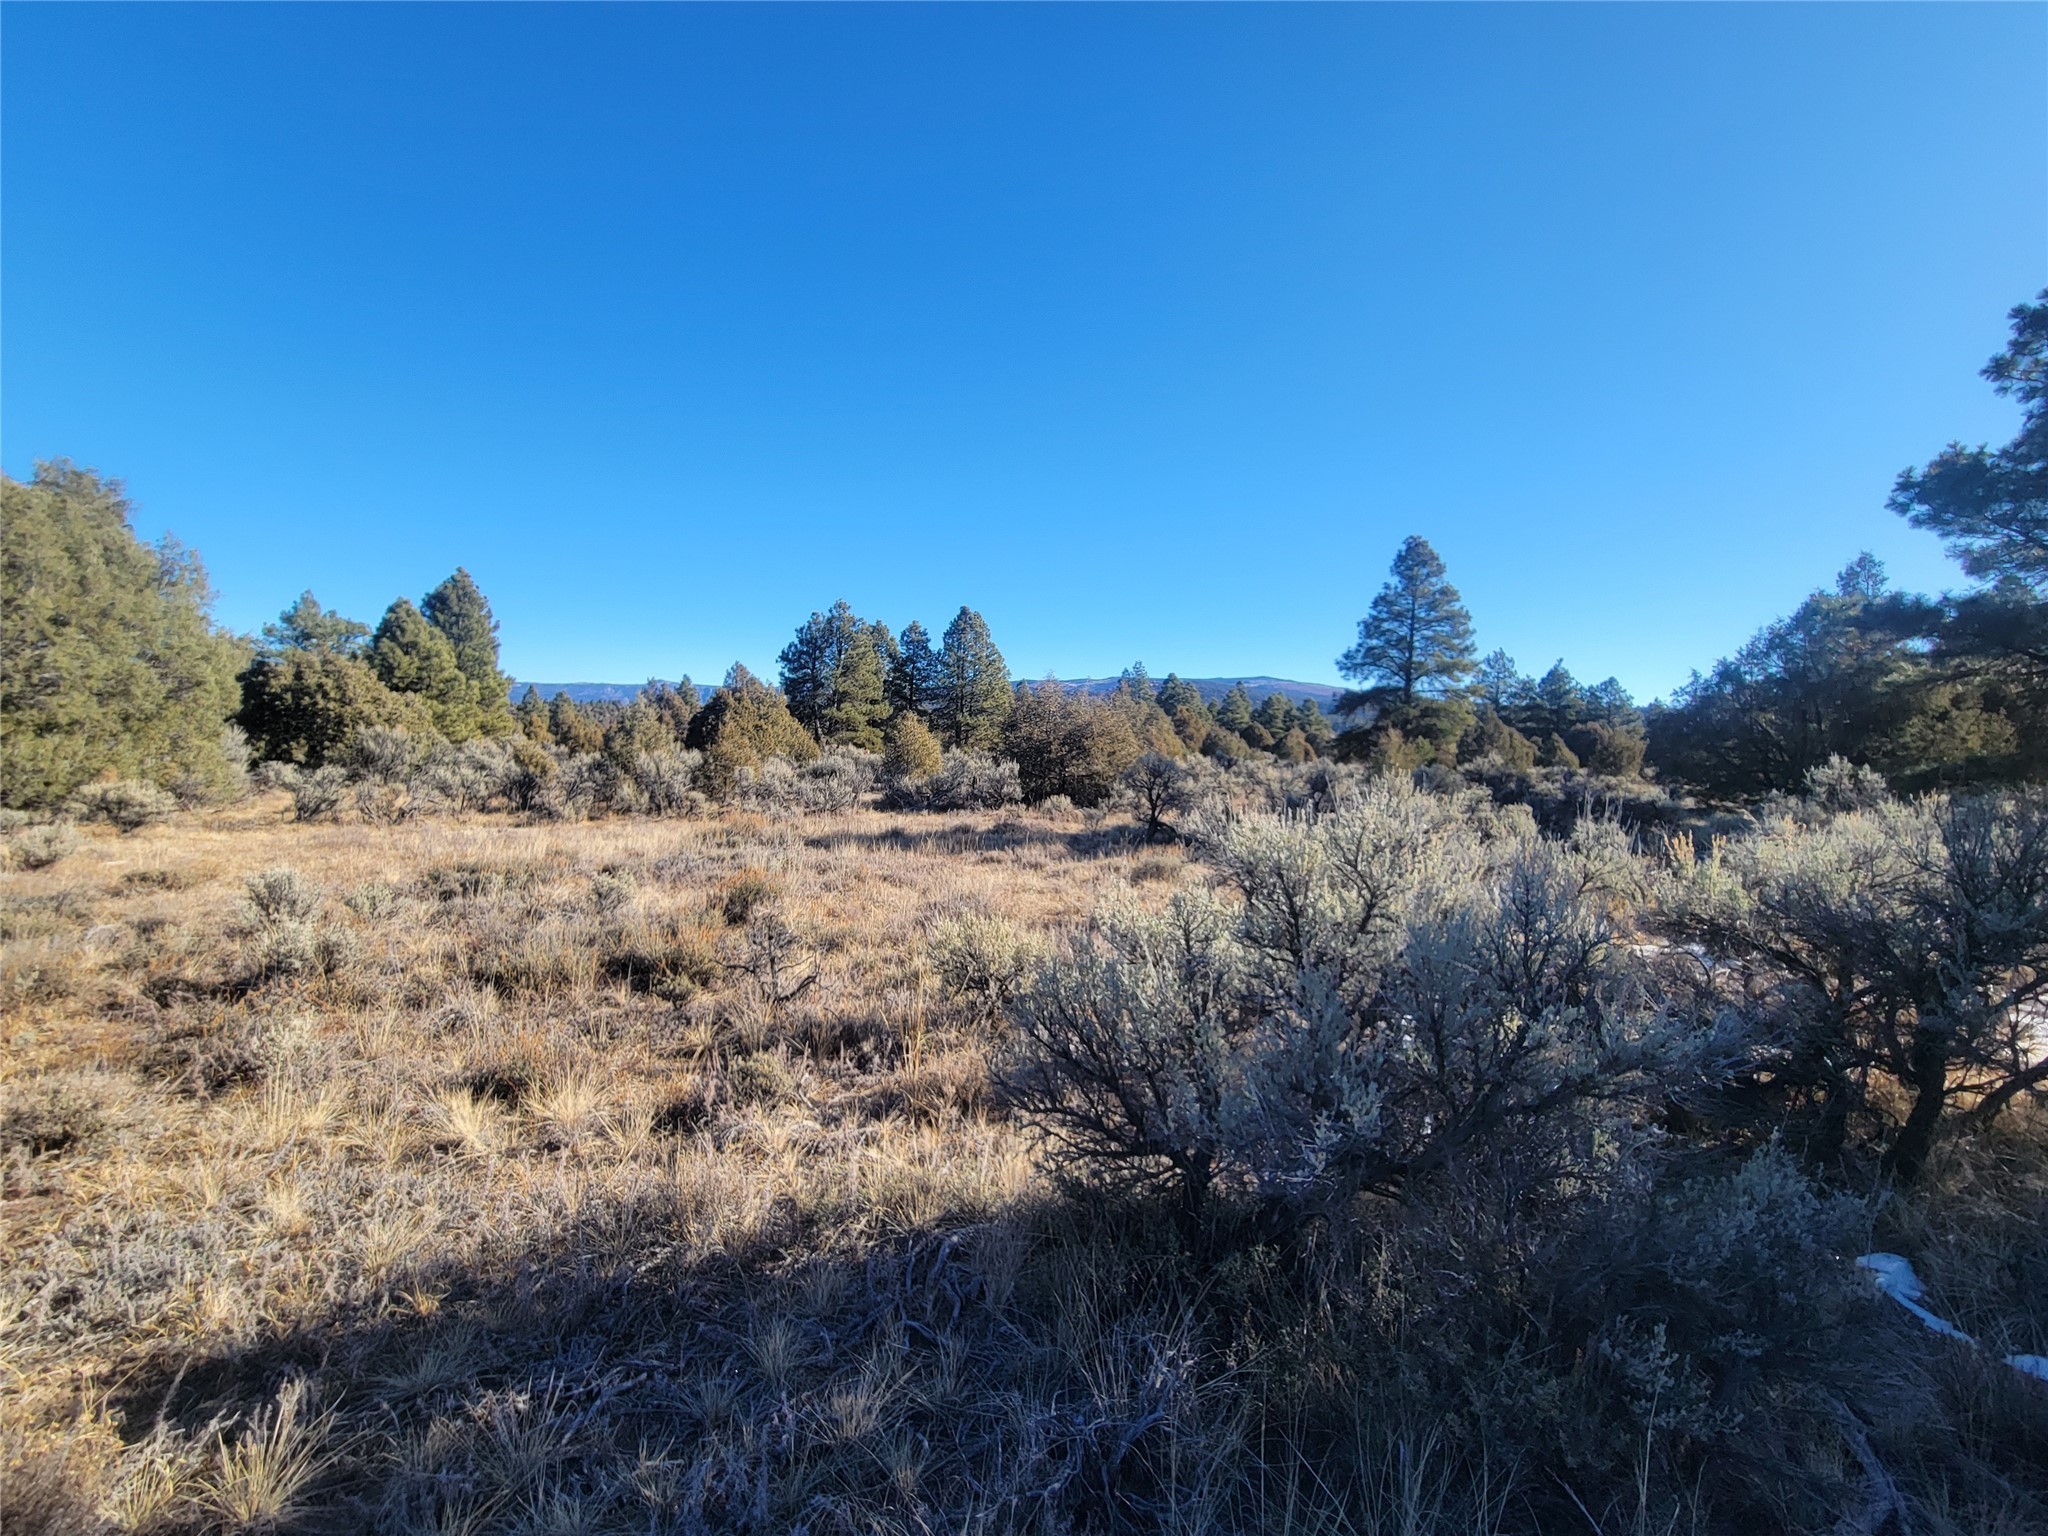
(972, 697)
(912, 751)
(1415, 643)
(308, 706)
(109, 663)
(306, 626)
(569, 727)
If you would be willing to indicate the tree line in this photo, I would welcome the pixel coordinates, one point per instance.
(111, 668)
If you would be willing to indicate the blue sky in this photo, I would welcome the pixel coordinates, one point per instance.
(1148, 331)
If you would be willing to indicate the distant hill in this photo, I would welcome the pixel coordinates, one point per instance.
(583, 693)
(1211, 688)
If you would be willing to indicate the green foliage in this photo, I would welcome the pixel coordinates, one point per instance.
(1491, 736)
(1847, 674)
(912, 684)
(972, 695)
(460, 611)
(570, 728)
(109, 664)
(832, 676)
(639, 731)
(306, 626)
(913, 751)
(1554, 753)
(1234, 710)
(1416, 640)
(746, 723)
(532, 714)
(412, 656)
(1176, 697)
(1991, 507)
(1067, 744)
(306, 706)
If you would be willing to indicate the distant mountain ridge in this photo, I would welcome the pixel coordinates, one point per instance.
(1211, 689)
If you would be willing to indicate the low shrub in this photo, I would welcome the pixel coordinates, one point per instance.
(128, 805)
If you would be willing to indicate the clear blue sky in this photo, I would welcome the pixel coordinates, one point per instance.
(1149, 332)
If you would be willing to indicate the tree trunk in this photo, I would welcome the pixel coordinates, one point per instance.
(1929, 1079)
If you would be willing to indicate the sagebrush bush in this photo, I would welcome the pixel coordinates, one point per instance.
(128, 804)
(982, 960)
(317, 793)
(40, 847)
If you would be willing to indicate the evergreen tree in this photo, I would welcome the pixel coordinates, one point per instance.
(570, 728)
(412, 656)
(639, 729)
(913, 751)
(972, 698)
(306, 705)
(912, 684)
(1314, 726)
(532, 715)
(1234, 710)
(1498, 684)
(1068, 744)
(1558, 702)
(1176, 695)
(306, 626)
(810, 662)
(677, 705)
(743, 725)
(856, 707)
(459, 610)
(1991, 507)
(109, 663)
(1415, 643)
(1276, 714)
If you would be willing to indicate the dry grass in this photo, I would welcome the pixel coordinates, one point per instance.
(632, 1176)
(519, 1145)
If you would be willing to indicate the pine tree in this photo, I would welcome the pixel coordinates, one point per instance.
(459, 610)
(973, 692)
(109, 663)
(1276, 714)
(1416, 641)
(1498, 683)
(1314, 726)
(570, 728)
(1175, 696)
(911, 686)
(1557, 702)
(856, 708)
(306, 626)
(532, 715)
(1234, 710)
(1991, 507)
(811, 661)
(677, 704)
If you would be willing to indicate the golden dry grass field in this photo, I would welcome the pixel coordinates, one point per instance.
(501, 1175)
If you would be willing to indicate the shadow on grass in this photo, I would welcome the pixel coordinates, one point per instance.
(622, 1377)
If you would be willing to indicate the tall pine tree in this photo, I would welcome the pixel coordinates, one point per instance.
(459, 610)
(973, 692)
(912, 684)
(1415, 643)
